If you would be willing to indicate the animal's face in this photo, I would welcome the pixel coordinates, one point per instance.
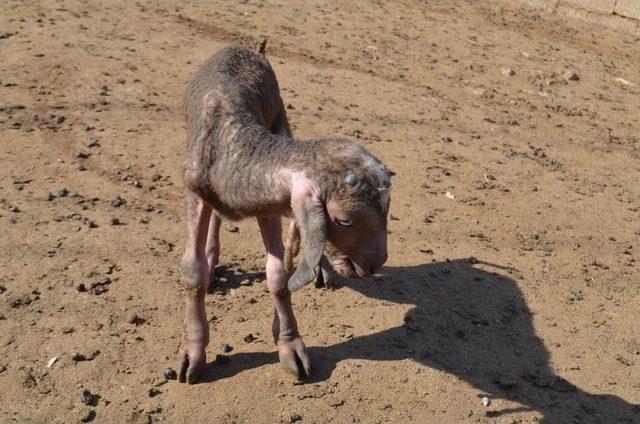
(349, 227)
(357, 236)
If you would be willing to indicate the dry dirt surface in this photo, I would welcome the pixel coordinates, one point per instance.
(514, 231)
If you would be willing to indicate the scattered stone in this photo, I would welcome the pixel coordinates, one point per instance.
(50, 197)
(154, 392)
(115, 221)
(232, 228)
(52, 361)
(136, 319)
(92, 143)
(81, 168)
(78, 357)
(67, 330)
(249, 338)
(156, 176)
(137, 184)
(295, 418)
(486, 401)
(89, 223)
(87, 415)
(147, 208)
(86, 397)
(117, 201)
(63, 192)
(226, 348)
(508, 72)
(82, 155)
(124, 176)
(170, 374)
(570, 75)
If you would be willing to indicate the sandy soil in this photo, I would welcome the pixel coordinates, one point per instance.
(523, 287)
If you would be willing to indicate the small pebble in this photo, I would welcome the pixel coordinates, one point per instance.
(80, 287)
(137, 184)
(86, 397)
(156, 176)
(147, 208)
(52, 361)
(226, 348)
(170, 374)
(249, 338)
(77, 356)
(81, 167)
(63, 192)
(115, 221)
(486, 401)
(117, 201)
(154, 392)
(570, 75)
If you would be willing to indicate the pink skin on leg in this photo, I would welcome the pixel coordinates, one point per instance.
(195, 278)
(285, 329)
(213, 248)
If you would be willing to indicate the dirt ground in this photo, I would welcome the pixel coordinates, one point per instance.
(520, 285)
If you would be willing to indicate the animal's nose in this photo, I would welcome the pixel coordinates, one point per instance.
(377, 264)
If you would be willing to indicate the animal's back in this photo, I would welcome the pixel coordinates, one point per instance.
(234, 89)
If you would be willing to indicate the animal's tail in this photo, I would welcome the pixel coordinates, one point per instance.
(261, 47)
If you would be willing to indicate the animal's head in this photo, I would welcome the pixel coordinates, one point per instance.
(342, 214)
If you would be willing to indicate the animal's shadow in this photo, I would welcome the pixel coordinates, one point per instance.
(469, 322)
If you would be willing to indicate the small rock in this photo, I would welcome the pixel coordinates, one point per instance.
(136, 319)
(156, 176)
(232, 228)
(154, 392)
(82, 155)
(508, 72)
(170, 374)
(67, 330)
(147, 208)
(80, 287)
(86, 397)
(249, 338)
(92, 143)
(63, 192)
(117, 201)
(52, 361)
(570, 75)
(125, 176)
(295, 418)
(226, 348)
(81, 168)
(78, 357)
(89, 223)
(115, 221)
(87, 415)
(137, 184)
(486, 401)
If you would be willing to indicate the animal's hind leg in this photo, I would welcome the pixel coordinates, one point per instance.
(213, 248)
(194, 279)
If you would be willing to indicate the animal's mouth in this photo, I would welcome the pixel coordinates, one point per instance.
(347, 268)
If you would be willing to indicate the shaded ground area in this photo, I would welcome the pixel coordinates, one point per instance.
(520, 285)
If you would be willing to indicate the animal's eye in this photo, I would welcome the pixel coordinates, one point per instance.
(344, 223)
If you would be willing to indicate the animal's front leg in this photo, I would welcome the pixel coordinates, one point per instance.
(285, 329)
(195, 278)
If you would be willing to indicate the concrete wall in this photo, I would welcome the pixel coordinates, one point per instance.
(625, 8)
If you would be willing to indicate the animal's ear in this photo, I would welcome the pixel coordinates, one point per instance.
(310, 218)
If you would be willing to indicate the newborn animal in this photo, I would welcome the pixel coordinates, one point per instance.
(242, 161)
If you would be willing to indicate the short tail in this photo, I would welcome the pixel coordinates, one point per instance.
(261, 47)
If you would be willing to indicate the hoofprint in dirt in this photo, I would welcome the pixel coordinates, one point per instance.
(520, 285)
